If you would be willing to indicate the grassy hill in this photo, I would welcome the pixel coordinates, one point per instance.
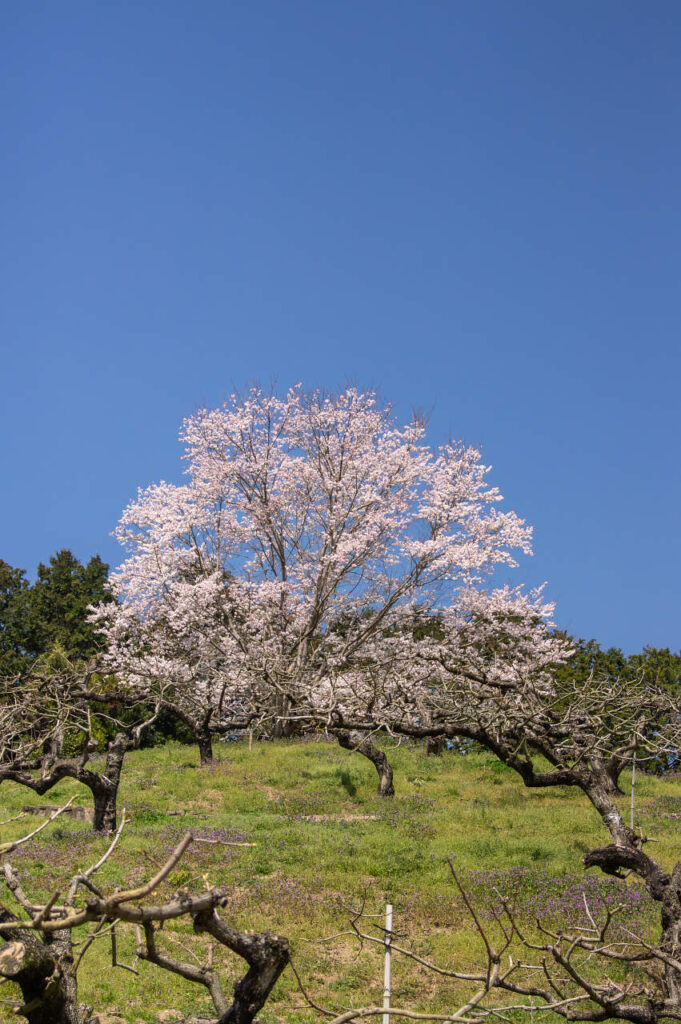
(323, 844)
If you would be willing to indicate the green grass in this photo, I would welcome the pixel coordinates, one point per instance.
(325, 842)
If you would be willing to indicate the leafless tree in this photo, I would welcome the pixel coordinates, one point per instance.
(564, 733)
(42, 956)
(599, 971)
(38, 710)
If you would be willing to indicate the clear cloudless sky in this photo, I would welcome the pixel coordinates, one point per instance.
(473, 206)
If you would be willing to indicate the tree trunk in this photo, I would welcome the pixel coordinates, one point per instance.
(251, 992)
(204, 739)
(105, 809)
(608, 774)
(626, 855)
(44, 973)
(283, 727)
(435, 745)
(199, 726)
(105, 788)
(366, 746)
(671, 933)
(665, 889)
(266, 955)
(612, 788)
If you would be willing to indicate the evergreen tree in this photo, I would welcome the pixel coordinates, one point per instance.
(659, 665)
(589, 659)
(13, 607)
(57, 605)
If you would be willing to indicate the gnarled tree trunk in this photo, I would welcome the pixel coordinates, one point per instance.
(266, 955)
(44, 971)
(105, 787)
(366, 746)
(199, 725)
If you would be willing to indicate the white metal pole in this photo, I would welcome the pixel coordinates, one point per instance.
(388, 961)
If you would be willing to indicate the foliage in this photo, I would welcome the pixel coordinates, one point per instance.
(58, 605)
(660, 666)
(13, 601)
(52, 612)
(653, 667)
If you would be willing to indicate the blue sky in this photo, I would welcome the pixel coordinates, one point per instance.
(473, 206)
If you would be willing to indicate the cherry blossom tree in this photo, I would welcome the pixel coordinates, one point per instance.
(433, 670)
(310, 529)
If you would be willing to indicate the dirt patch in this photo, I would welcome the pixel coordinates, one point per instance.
(339, 817)
(208, 798)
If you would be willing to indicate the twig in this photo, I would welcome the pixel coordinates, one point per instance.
(11, 847)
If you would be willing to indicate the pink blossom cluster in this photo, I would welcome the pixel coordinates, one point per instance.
(293, 568)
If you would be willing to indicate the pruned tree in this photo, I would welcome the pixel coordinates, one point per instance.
(38, 710)
(596, 971)
(42, 957)
(187, 696)
(308, 528)
(488, 676)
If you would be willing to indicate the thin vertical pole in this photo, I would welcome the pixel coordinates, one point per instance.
(633, 783)
(388, 961)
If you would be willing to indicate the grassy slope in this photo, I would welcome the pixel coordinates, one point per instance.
(324, 842)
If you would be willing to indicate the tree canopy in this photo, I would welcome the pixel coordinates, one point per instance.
(51, 611)
(299, 512)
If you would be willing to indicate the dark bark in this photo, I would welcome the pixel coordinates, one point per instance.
(267, 955)
(613, 860)
(671, 934)
(205, 741)
(42, 963)
(105, 792)
(104, 787)
(269, 958)
(365, 745)
(612, 788)
(435, 745)
(283, 727)
(199, 726)
(599, 783)
(44, 971)
(104, 819)
(664, 888)
(608, 774)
